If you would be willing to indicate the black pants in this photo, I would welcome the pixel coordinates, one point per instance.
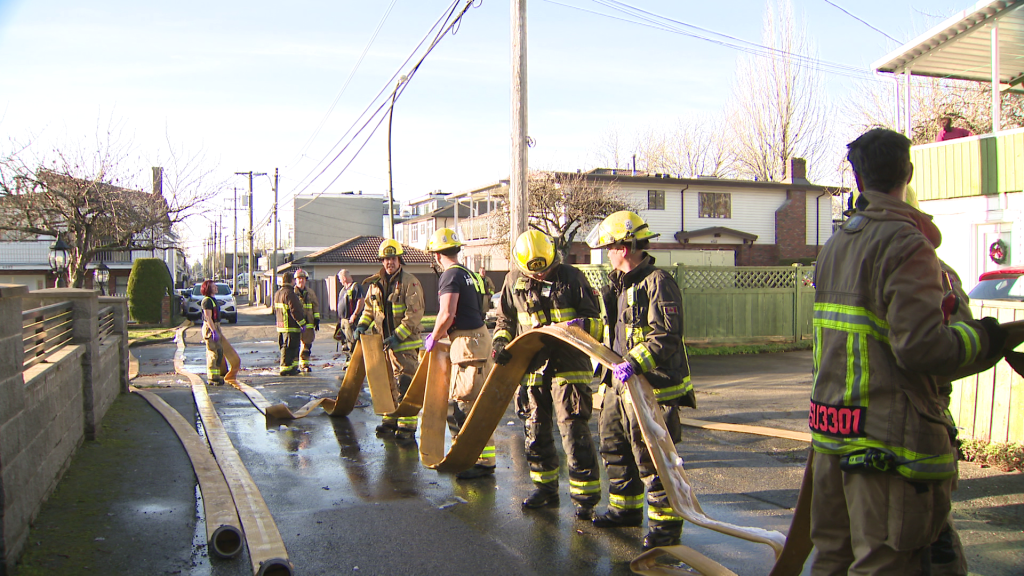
(289, 343)
(630, 466)
(560, 388)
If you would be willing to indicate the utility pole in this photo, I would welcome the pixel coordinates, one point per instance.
(518, 183)
(391, 188)
(273, 258)
(234, 251)
(252, 260)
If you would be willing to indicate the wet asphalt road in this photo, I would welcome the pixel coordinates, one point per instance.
(346, 502)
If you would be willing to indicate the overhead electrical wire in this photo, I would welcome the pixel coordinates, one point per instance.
(861, 20)
(348, 80)
(446, 25)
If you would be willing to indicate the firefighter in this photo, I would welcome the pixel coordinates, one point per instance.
(460, 318)
(216, 365)
(884, 456)
(312, 307)
(557, 383)
(645, 317)
(393, 308)
(291, 323)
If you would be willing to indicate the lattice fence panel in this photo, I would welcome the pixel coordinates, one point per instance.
(736, 278)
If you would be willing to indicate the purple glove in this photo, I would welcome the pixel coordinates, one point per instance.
(302, 328)
(622, 372)
(576, 323)
(213, 335)
(428, 344)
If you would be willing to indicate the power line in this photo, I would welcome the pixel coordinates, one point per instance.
(348, 80)
(444, 17)
(862, 21)
(448, 26)
(658, 22)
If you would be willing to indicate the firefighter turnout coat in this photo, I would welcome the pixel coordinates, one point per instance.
(289, 310)
(645, 317)
(557, 382)
(882, 346)
(311, 311)
(394, 306)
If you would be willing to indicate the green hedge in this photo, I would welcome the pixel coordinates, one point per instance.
(149, 282)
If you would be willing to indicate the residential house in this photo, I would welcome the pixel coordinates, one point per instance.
(25, 260)
(324, 220)
(419, 218)
(701, 221)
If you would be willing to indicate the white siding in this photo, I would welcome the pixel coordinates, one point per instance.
(665, 222)
(753, 211)
(824, 214)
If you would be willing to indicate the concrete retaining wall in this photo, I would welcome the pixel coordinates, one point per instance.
(47, 410)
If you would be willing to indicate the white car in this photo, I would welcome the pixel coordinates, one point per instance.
(223, 297)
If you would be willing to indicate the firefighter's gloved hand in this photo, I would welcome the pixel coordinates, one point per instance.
(302, 328)
(359, 331)
(997, 336)
(577, 323)
(500, 355)
(316, 324)
(622, 372)
(428, 343)
(391, 341)
(214, 336)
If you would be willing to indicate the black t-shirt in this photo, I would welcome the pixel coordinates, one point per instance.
(211, 304)
(456, 280)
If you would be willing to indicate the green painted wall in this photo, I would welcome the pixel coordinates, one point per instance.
(991, 164)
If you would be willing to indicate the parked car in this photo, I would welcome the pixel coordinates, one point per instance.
(228, 311)
(491, 317)
(1005, 284)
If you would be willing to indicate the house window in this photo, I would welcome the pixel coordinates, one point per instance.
(714, 205)
(655, 199)
(414, 233)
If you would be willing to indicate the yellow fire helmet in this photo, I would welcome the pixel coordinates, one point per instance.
(388, 248)
(442, 239)
(534, 253)
(300, 273)
(623, 226)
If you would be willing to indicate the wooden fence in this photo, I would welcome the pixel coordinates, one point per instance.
(990, 406)
(739, 305)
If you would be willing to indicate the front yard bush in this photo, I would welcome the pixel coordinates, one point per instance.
(149, 282)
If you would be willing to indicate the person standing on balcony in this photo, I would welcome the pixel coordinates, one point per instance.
(311, 305)
(543, 291)
(645, 316)
(947, 132)
(460, 319)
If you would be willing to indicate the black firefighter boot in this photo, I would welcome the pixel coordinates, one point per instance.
(544, 495)
(612, 518)
(663, 535)
(404, 381)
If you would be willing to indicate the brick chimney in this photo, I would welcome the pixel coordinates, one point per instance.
(158, 181)
(796, 171)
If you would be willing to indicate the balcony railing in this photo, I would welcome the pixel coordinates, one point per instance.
(972, 166)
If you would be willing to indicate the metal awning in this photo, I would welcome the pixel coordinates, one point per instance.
(961, 47)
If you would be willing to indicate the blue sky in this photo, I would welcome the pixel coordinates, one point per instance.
(247, 83)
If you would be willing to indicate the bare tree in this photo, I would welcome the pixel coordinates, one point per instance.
(693, 147)
(779, 108)
(82, 195)
(612, 149)
(562, 205)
